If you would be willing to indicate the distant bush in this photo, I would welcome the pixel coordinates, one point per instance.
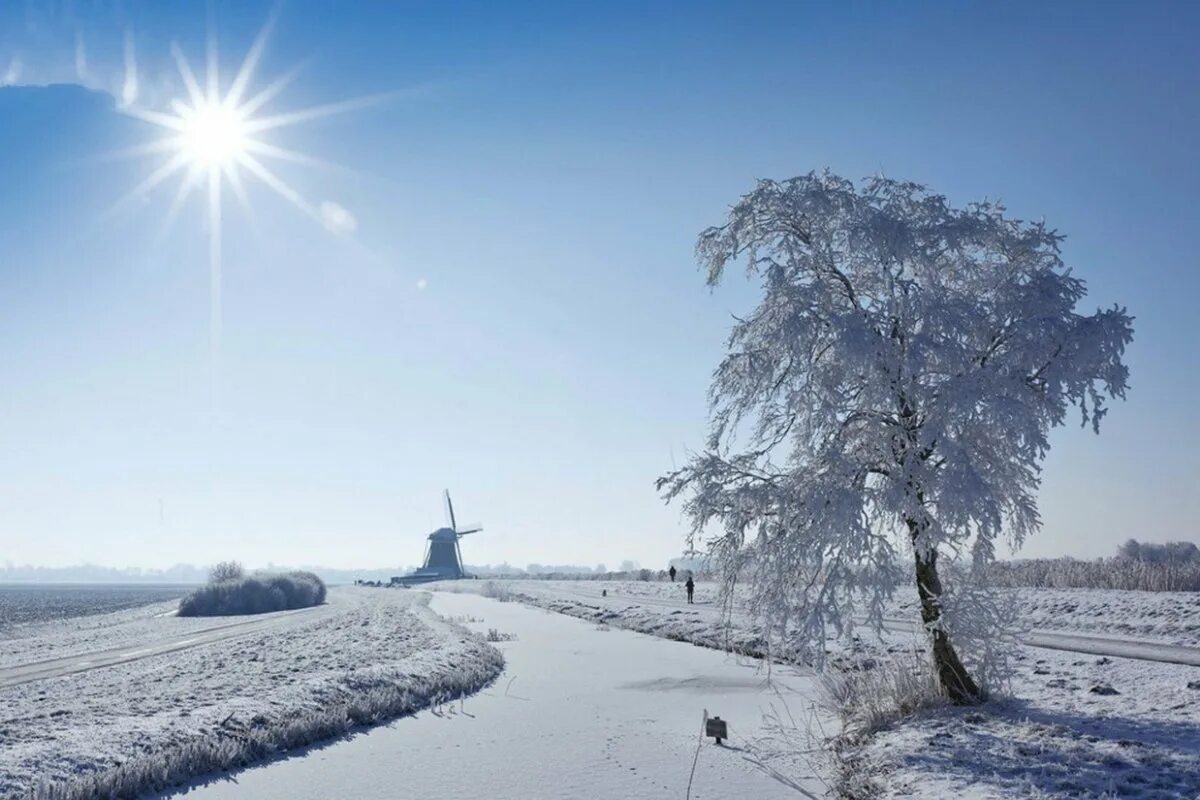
(497, 591)
(254, 594)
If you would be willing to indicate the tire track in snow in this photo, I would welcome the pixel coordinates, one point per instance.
(98, 659)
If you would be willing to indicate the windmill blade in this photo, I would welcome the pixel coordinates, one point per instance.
(470, 529)
(450, 511)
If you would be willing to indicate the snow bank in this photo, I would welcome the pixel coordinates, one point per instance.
(155, 722)
(701, 626)
(1074, 727)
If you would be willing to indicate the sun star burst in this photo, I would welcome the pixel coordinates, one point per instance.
(214, 139)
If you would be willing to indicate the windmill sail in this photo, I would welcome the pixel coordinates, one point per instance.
(450, 512)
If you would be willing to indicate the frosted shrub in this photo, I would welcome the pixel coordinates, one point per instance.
(497, 591)
(255, 594)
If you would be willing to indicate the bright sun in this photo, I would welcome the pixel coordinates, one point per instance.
(213, 136)
(214, 141)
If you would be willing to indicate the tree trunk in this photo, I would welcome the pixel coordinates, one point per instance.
(953, 676)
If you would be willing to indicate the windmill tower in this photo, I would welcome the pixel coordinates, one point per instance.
(443, 556)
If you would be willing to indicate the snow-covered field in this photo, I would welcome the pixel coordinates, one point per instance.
(367, 655)
(1071, 725)
(37, 641)
(22, 603)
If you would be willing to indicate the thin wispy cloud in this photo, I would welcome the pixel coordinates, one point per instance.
(81, 67)
(12, 74)
(337, 219)
(129, 87)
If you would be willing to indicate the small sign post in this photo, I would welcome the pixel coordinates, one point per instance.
(715, 727)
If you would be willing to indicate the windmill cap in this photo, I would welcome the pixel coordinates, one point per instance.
(443, 535)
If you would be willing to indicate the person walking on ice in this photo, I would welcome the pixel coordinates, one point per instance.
(671, 572)
(690, 586)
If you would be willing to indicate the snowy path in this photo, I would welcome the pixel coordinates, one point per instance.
(1112, 646)
(580, 711)
(97, 659)
(1115, 647)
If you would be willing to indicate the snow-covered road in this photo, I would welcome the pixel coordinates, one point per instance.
(1069, 641)
(228, 628)
(580, 711)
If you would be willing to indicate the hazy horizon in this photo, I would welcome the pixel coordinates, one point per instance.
(491, 284)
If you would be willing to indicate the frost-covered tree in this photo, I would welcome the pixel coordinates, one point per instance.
(892, 392)
(1131, 550)
(226, 571)
(1165, 553)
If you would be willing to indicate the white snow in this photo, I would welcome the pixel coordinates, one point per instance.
(1051, 736)
(581, 710)
(21, 644)
(1054, 737)
(150, 722)
(586, 709)
(1168, 618)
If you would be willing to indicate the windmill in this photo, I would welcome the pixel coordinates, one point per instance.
(443, 557)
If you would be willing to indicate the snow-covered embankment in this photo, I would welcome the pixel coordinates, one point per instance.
(153, 722)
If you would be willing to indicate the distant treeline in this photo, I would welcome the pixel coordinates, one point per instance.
(629, 570)
(1165, 553)
(191, 573)
(94, 573)
(506, 569)
(1139, 566)
(177, 574)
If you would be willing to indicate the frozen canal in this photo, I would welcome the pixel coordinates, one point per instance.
(580, 711)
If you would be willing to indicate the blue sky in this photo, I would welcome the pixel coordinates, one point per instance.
(517, 314)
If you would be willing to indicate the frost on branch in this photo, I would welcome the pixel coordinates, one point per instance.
(891, 395)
